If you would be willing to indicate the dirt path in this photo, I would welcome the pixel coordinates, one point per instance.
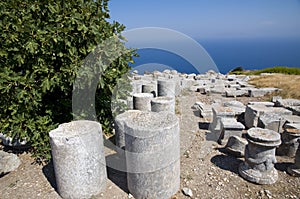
(205, 169)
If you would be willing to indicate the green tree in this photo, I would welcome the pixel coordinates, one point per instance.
(43, 45)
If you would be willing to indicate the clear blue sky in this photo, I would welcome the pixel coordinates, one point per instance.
(212, 18)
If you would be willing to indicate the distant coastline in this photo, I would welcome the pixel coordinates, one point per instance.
(230, 53)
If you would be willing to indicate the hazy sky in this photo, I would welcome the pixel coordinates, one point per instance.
(212, 18)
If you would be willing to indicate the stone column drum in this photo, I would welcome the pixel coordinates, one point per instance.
(260, 156)
(166, 88)
(153, 155)
(289, 143)
(78, 159)
(119, 126)
(150, 88)
(294, 170)
(160, 104)
(142, 101)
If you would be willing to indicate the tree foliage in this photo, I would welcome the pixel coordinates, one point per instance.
(43, 45)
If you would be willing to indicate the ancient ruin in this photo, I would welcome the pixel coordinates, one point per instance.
(260, 156)
(294, 170)
(78, 159)
(153, 155)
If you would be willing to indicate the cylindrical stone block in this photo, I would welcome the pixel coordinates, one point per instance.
(142, 101)
(294, 169)
(78, 159)
(150, 88)
(260, 156)
(119, 126)
(166, 88)
(289, 143)
(160, 104)
(137, 86)
(153, 155)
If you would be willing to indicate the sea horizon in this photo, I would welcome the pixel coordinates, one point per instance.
(227, 54)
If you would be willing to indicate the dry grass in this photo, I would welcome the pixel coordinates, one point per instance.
(290, 84)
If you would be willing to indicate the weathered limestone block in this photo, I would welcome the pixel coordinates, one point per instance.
(166, 88)
(235, 93)
(160, 104)
(8, 162)
(260, 92)
(142, 101)
(267, 104)
(292, 126)
(218, 113)
(294, 109)
(287, 102)
(201, 89)
(291, 119)
(253, 112)
(137, 86)
(271, 121)
(245, 84)
(275, 98)
(147, 77)
(218, 88)
(260, 156)
(231, 77)
(205, 110)
(289, 142)
(187, 83)
(78, 159)
(150, 87)
(235, 85)
(120, 128)
(236, 106)
(294, 170)
(153, 155)
(236, 146)
(230, 127)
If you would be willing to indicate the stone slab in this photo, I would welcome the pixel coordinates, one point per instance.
(253, 112)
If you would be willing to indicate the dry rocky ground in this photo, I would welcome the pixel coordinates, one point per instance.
(205, 169)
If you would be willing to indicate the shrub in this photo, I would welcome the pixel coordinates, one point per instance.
(279, 69)
(237, 70)
(43, 45)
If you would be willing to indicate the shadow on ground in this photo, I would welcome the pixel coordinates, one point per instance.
(204, 125)
(48, 171)
(119, 178)
(282, 166)
(226, 162)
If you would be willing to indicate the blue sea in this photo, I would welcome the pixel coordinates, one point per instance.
(227, 54)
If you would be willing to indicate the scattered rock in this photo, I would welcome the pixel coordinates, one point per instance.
(188, 192)
(8, 162)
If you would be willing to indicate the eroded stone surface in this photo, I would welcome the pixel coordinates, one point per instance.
(218, 113)
(153, 155)
(8, 162)
(160, 104)
(119, 126)
(230, 127)
(289, 143)
(166, 88)
(260, 156)
(236, 146)
(253, 112)
(294, 170)
(78, 159)
(142, 101)
(271, 121)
